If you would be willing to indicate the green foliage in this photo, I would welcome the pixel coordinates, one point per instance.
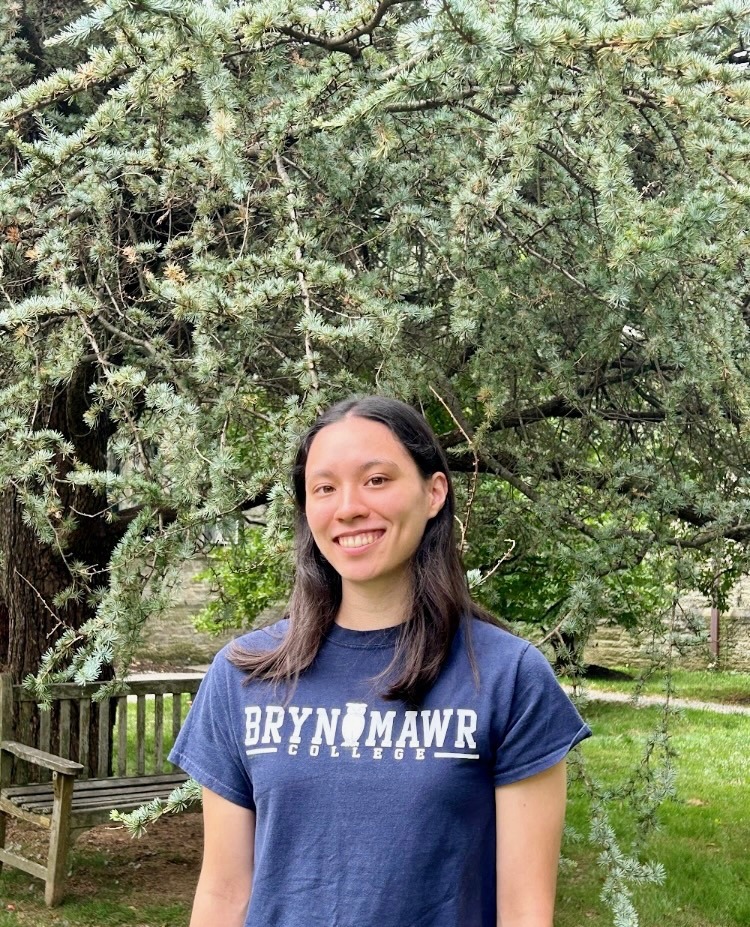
(246, 581)
(181, 798)
(13, 71)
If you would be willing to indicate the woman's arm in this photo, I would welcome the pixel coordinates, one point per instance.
(530, 817)
(226, 878)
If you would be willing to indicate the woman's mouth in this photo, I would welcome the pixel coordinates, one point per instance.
(352, 541)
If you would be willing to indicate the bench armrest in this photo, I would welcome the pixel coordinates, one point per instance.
(40, 758)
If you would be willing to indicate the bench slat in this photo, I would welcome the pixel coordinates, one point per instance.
(45, 732)
(176, 715)
(102, 760)
(120, 792)
(158, 733)
(45, 740)
(24, 723)
(64, 750)
(94, 785)
(140, 735)
(84, 733)
(184, 682)
(103, 801)
(122, 735)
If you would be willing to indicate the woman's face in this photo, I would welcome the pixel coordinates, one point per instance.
(367, 504)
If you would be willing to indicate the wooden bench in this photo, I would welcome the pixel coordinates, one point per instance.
(74, 774)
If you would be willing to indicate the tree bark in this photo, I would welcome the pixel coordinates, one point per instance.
(33, 573)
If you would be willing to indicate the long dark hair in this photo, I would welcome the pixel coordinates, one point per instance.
(440, 593)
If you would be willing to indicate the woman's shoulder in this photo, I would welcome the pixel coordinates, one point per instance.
(265, 638)
(257, 641)
(495, 649)
(494, 637)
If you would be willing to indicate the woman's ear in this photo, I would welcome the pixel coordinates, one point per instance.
(438, 490)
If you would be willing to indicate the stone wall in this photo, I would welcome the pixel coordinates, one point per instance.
(172, 639)
(614, 646)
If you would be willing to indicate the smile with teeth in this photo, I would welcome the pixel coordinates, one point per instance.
(360, 540)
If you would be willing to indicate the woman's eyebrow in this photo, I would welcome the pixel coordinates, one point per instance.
(378, 462)
(367, 465)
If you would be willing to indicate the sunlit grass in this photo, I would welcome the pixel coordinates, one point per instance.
(704, 831)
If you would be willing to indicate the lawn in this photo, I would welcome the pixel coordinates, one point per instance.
(703, 842)
(705, 830)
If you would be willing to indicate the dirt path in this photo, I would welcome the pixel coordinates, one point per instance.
(108, 865)
(597, 695)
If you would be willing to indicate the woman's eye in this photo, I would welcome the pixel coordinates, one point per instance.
(323, 490)
(378, 480)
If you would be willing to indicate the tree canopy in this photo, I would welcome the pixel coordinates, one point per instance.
(532, 220)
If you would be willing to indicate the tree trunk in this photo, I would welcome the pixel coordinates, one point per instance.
(33, 573)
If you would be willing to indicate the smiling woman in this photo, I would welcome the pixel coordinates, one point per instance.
(387, 754)
(367, 515)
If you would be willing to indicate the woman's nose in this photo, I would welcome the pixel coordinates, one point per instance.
(351, 504)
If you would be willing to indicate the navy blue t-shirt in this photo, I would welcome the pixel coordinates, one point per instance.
(369, 814)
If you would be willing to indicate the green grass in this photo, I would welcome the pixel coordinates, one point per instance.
(99, 912)
(703, 685)
(705, 831)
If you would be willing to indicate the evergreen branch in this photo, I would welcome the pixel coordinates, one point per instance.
(737, 532)
(369, 26)
(55, 96)
(555, 632)
(59, 622)
(342, 42)
(495, 466)
(549, 262)
(551, 153)
(561, 407)
(453, 19)
(490, 465)
(114, 330)
(480, 112)
(508, 90)
(403, 67)
(422, 105)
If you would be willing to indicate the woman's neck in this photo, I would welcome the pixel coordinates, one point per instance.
(369, 607)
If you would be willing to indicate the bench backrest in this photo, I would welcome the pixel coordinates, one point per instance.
(125, 735)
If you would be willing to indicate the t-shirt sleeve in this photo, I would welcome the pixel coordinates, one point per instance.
(206, 747)
(542, 725)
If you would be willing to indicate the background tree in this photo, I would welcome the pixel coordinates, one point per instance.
(532, 221)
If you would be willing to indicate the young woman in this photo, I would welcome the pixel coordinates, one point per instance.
(386, 756)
